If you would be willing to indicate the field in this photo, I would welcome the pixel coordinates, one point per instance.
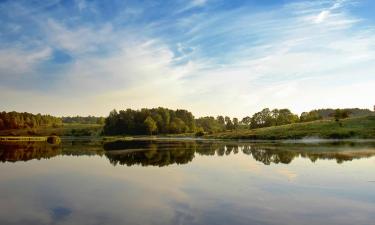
(356, 127)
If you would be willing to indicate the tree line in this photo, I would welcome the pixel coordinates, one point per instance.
(162, 120)
(17, 120)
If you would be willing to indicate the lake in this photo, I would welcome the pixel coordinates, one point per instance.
(187, 182)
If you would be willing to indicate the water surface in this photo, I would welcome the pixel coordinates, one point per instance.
(187, 182)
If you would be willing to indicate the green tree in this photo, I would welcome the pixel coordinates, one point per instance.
(177, 126)
(340, 114)
(235, 123)
(150, 125)
(210, 124)
(310, 116)
(228, 123)
(262, 119)
(246, 120)
(220, 120)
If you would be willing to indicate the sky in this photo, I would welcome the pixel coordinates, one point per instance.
(211, 57)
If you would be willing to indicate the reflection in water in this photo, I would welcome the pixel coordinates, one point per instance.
(223, 184)
(164, 153)
(13, 151)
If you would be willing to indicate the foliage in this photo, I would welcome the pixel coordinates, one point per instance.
(161, 121)
(16, 120)
(246, 121)
(341, 114)
(276, 117)
(83, 119)
(199, 132)
(211, 124)
(134, 121)
(64, 130)
(150, 125)
(310, 116)
(354, 112)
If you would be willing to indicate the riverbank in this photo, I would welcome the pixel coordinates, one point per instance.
(350, 128)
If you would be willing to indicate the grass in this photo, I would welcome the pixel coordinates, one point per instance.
(356, 127)
(68, 129)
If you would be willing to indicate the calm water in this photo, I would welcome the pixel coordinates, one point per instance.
(187, 182)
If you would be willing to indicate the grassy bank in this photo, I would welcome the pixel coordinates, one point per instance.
(356, 127)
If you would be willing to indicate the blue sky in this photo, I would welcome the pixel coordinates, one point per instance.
(208, 56)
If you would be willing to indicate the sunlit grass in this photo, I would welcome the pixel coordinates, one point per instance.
(356, 127)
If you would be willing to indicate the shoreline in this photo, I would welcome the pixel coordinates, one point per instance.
(141, 137)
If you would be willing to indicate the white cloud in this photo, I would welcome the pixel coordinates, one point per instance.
(322, 16)
(79, 40)
(14, 61)
(283, 59)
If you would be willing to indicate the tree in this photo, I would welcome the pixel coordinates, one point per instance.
(187, 117)
(310, 116)
(220, 120)
(17, 120)
(111, 123)
(2, 125)
(261, 119)
(210, 124)
(340, 114)
(246, 120)
(177, 126)
(228, 123)
(100, 120)
(150, 125)
(285, 116)
(235, 123)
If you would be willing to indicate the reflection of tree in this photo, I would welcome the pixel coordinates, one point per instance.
(276, 153)
(268, 156)
(13, 152)
(163, 153)
(340, 157)
(24, 151)
(150, 153)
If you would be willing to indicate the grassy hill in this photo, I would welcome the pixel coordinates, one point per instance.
(354, 127)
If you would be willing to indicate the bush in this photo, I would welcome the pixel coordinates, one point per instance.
(53, 140)
(199, 133)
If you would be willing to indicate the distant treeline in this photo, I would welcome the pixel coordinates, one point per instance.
(83, 119)
(167, 121)
(16, 120)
